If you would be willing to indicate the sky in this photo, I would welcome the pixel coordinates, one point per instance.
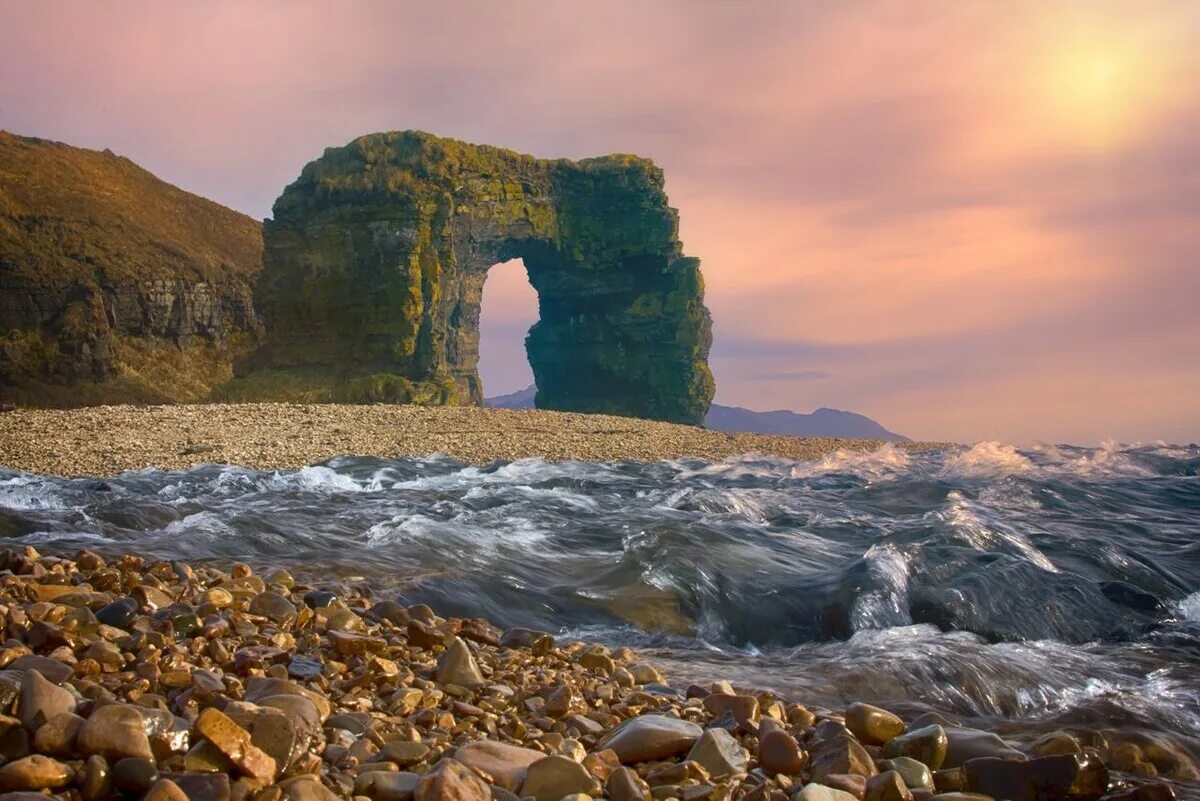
(968, 220)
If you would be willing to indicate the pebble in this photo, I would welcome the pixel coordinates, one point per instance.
(114, 732)
(58, 735)
(553, 777)
(273, 606)
(927, 744)
(134, 774)
(887, 786)
(165, 790)
(506, 763)
(458, 666)
(35, 772)
(872, 725)
(118, 614)
(382, 785)
(42, 700)
(719, 753)
(649, 737)
(779, 753)
(1062, 776)
(450, 780)
(234, 742)
(625, 785)
(97, 779)
(916, 774)
(819, 792)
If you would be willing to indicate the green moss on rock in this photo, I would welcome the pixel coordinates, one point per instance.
(376, 257)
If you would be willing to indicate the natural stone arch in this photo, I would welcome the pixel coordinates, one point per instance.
(375, 262)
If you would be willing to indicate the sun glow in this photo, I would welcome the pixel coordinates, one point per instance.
(1097, 91)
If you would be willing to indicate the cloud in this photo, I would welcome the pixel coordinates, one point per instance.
(791, 375)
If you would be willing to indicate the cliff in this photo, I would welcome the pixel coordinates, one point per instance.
(116, 287)
(375, 262)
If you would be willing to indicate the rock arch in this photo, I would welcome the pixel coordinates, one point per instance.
(375, 261)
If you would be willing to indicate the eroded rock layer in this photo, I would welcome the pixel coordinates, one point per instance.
(376, 258)
(115, 287)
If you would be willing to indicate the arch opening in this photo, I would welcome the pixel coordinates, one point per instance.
(508, 310)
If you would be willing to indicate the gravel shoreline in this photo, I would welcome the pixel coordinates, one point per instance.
(105, 440)
(160, 681)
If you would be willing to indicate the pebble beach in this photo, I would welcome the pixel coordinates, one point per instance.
(105, 440)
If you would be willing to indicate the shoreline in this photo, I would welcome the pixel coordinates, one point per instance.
(168, 681)
(105, 440)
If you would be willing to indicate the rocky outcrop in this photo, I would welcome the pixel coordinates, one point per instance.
(115, 286)
(376, 258)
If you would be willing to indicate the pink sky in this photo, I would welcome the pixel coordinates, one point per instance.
(969, 220)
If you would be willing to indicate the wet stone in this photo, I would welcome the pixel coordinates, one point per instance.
(964, 744)
(134, 775)
(927, 744)
(41, 700)
(118, 614)
(203, 786)
(97, 779)
(872, 725)
(165, 790)
(272, 606)
(840, 754)
(1052, 777)
(450, 780)
(779, 753)
(402, 752)
(234, 742)
(887, 786)
(915, 774)
(52, 670)
(553, 777)
(35, 772)
(380, 785)
(458, 666)
(649, 737)
(114, 732)
(819, 792)
(625, 785)
(505, 763)
(58, 735)
(719, 753)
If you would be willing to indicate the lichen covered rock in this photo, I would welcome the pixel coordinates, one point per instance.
(375, 262)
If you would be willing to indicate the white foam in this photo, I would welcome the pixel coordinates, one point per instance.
(1189, 607)
(887, 605)
(29, 493)
(986, 460)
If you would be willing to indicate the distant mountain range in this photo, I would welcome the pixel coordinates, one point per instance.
(821, 423)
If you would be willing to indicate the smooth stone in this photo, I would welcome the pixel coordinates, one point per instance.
(553, 777)
(118, 614)
(646, 674)
(743, 708)
(916, 774)
(97, 779)
(1056, 743)
(964, 744)
(928, 744)
(58, 735)
(301, 711)
(134, 774)
(1052, 777)
(304, 667)
(887, 786)
(523, 638)
(719, 753)
(839, 754)
(648, 737)
(391, 611)
(52, 670)
(272, 606)
(203, 786)
(234, 742)
(35, 772)
(819, 792)
(41, 700)
(307, 788)
(165, 790)
(457, 666)
(259, 688)
(507, 764)
(114, 732)
(403, 752)
(354, 722)
(386, 785)
(450, 780)
(779, 753)
(851, 783)
(270, 729)
(872, 725)
(625, 785)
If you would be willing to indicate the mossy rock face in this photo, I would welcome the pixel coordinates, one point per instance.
(375, 261)
(116, 287)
